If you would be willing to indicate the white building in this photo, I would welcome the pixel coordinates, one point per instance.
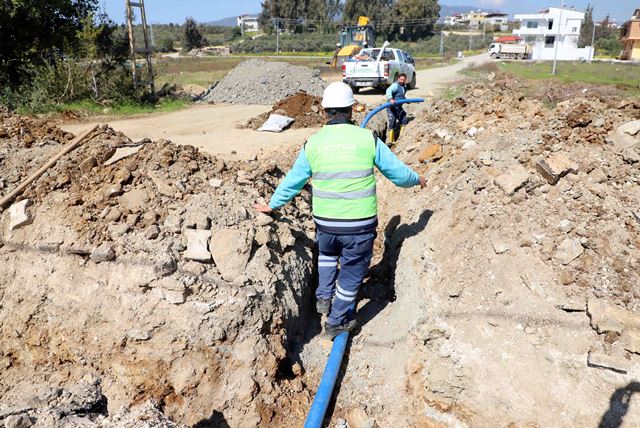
(544, 30)
(248, 22)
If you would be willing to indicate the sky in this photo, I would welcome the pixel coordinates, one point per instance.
(165, 11)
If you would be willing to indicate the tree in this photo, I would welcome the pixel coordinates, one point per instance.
(411, 20)
(191, 36)
(586, 31)
(375, 10)
(36, 31)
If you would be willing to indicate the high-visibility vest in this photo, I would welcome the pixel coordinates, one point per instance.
(342, 158)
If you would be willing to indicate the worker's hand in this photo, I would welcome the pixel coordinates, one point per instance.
(392, 101)
(263, 208)
(423, 182)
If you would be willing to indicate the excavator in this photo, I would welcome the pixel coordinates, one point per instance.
(352, 39)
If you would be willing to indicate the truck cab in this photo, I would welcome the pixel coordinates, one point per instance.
(378, 68)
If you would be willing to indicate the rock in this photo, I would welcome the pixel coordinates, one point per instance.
(442, 133)
(606, 317)
(18, 214)
(197, 243)
(471, 132)
(123, 152)
(152, 232)
(631, 340)
(285, 237)
(18, 421)
(469, 144)
(194, 268)
(113, 215)
(630, 128)
(230, 249)
(358, 418)
(485, 157)
(174, 297)
(215, 183)
(555, 167)
(134, 200)
(632, 154)
(568, 250)
(565, 225)
(165, 265)
(512, 179)
(598, 176)
(500, 247)
(263, 219)
(88, 164)
(103, 253)
(599, 359)
(262, 236)
(139, 335)
(197, 220)
(48, 247)
(636, 215)
(117, 230)
(432, 152)
(173, 223)
(162, 185)
(111, 190)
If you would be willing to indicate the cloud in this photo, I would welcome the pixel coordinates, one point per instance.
(492, 3)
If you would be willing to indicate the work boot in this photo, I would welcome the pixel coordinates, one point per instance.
(391, 138)
(323, 306)
(331, 331)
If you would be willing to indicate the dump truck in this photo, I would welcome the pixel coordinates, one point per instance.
(504, 50)
(352, 40)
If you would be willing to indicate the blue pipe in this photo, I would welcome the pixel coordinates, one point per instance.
(386, 105)
(332, 368)
(325, 390)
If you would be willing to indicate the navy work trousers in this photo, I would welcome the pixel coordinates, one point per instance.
(341, 284)
(397, 116)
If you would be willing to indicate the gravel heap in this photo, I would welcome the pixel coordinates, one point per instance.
(265, 82)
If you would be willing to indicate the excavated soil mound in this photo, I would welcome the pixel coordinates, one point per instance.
(265, 83)
(305, 109)
(142, 265)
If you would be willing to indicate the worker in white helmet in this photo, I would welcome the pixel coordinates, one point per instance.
(340, 161)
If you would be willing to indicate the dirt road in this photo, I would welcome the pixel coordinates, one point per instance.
(430, 81)
(212, 128)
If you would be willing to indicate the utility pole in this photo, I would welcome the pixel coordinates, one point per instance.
(441, 42)
(555, 53)
(275, 25)
(593, 38)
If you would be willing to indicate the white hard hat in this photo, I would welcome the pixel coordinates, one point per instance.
(338, 95)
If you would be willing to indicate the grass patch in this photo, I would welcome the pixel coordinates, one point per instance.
(123, 109)
(622, 76)
(452, 93)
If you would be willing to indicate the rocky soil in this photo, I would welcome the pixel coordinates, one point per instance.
(511, 283)
(141, 266)
(265, 82)
(304, 109)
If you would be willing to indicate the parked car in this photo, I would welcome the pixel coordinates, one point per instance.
(378, 68)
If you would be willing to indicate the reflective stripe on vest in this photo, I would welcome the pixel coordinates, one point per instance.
(342, 158)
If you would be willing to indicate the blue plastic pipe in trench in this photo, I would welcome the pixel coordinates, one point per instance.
(331, 370)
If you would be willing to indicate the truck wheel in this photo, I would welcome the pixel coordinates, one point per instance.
(413, 82)
(494, 55)
(520, 56)
(355, 89)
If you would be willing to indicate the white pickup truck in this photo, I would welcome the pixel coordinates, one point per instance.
(378, 68)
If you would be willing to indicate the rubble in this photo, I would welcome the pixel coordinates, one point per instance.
(257, 81)
(512, 179)
(556, 166)
(568, 250)
(18, 214)
(305, 110)
(197, 245)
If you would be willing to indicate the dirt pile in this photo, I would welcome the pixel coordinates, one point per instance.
(527, 246)
(265, 82)
(305, 109)
(142, 264)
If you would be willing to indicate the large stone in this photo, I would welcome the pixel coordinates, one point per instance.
(134, 200)
(197, 243)
(103, 253)
(606, 317)
(632, 154)
(630, 128)
(555, 167)
(600, 360)
(568, 250)
(358, 418)
(230, 249)
(631, 340)
(432, 152)
(512, 179)
(18, 421)
(18, 214)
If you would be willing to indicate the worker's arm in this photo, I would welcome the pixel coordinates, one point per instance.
(293, 183)
(391, 91)
(394, 169)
